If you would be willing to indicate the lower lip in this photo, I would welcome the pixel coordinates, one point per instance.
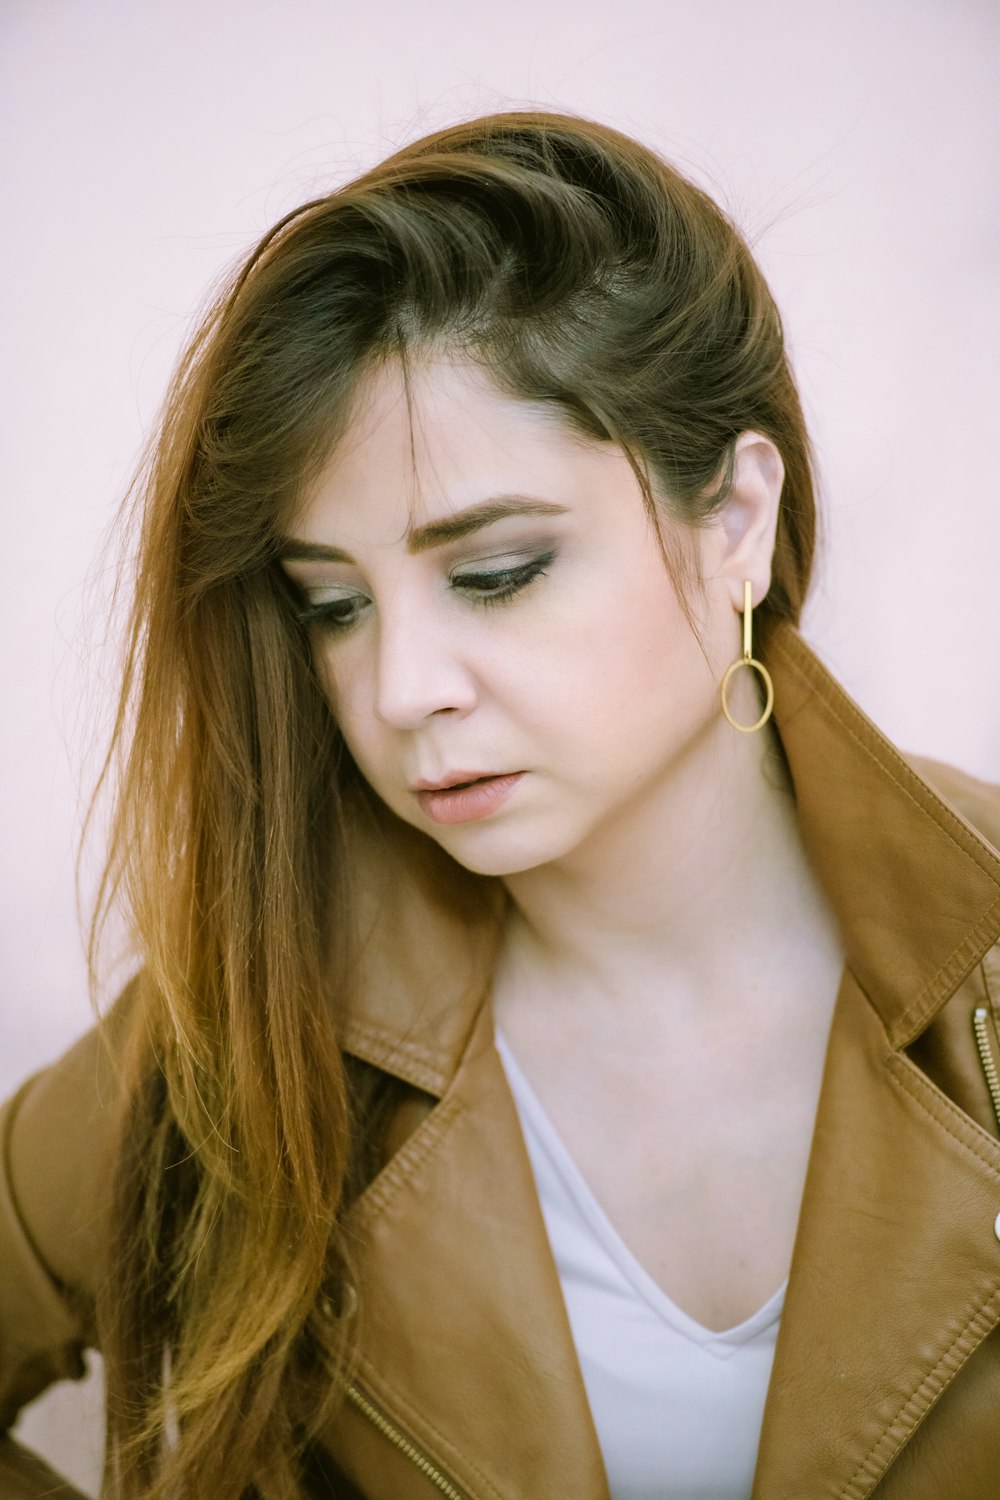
(467, 804)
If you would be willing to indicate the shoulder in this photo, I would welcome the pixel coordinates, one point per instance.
(53, 1170)
(978, 802)
(58, 1133)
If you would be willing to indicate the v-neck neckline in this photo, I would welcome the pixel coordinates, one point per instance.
(719, 1342)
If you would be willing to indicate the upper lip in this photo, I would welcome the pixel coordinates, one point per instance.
(454, 778)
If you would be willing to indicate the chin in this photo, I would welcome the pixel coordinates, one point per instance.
(500, 852)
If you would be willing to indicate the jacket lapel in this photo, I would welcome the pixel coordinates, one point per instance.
(895, 1277)
(896, 1273)
(465, 1344)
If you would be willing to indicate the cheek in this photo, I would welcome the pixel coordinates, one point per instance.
(621, 666)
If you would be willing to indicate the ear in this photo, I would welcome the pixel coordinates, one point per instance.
(748, 519)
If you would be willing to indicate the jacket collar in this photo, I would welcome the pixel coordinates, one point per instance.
(874, 830)
(915, 889)
(426, 939)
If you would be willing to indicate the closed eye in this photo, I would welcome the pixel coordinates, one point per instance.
(333, 610)
(338, 609)
(500, 584)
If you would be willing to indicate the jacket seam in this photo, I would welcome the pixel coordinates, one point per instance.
(953, 969)
(383, 1050)
(931, 1104)
(903, 1424)
(408, 1159)
(373, 1032)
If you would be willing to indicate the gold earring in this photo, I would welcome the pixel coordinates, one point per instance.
(748, 660)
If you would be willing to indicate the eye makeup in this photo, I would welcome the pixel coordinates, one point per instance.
(336, 608)
(333, 610)
(497, 585)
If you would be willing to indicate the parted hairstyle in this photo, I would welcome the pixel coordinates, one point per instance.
(579, 270)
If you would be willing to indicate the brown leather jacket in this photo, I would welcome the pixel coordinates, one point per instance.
(886, 1379)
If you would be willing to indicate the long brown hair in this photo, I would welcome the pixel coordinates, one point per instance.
(579, 270)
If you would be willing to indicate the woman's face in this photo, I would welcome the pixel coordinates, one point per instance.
(489, 605)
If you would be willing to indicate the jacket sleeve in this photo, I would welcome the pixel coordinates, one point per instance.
(54, 1137)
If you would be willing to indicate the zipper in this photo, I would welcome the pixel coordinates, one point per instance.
(987, 1057)
(400, 1441)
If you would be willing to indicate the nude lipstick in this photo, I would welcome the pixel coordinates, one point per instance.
(465, 796)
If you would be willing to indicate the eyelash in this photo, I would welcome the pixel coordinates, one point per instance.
(502, 586)
(505, 583)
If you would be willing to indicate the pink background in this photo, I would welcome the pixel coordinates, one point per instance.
(145, 146)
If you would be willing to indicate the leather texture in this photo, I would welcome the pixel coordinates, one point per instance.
(886, 1379)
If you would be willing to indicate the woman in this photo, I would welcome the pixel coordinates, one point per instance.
(563, 1059)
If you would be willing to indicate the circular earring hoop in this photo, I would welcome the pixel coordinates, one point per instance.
(748, 660)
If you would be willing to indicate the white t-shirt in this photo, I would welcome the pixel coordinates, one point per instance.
(676, 1406)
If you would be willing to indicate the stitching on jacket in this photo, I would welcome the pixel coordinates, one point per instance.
(931, 1103)
(413, 1417)
(872, 1467)
(404, 1044)
(424, 1063)
(954, 966)
(409, 1158)
(435, 1075)
(407, 1045)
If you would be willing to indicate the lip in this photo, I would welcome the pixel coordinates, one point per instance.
(464, 796)
(454, 778)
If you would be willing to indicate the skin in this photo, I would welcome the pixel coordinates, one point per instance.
(670, 966)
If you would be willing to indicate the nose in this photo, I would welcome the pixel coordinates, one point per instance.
(421, 670)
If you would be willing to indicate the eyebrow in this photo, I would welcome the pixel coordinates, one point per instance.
(436, 533)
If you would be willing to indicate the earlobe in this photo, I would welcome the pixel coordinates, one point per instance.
(749, 515)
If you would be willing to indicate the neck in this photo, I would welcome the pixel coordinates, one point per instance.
(700, 887)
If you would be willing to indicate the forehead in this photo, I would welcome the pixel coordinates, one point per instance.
(434, 439)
